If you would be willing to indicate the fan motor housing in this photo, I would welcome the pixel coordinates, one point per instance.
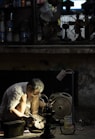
(62, 105)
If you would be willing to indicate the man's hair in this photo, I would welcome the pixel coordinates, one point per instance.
(36, 84)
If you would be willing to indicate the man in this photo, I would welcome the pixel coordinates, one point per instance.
(22, 100)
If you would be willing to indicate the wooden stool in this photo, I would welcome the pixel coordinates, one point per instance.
(13, 128)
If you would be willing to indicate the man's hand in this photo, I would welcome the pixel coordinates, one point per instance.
(37, 117)
(39, 121)
(26, 116)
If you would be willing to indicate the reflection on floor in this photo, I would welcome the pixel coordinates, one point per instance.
(81, 132)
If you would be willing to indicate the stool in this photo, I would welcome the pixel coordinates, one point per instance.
(13, 128)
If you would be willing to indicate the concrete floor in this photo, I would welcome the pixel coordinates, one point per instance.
(81, 132)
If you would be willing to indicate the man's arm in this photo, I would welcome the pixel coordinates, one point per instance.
(35, 104)
(20, 109)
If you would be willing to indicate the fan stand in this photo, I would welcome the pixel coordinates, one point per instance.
(79, 25)
(47, 133)
(65, 27)
(79, 38)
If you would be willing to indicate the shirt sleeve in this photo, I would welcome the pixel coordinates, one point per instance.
(14, 97)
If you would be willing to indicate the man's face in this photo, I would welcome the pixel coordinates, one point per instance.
(33, 93)
(36, 92)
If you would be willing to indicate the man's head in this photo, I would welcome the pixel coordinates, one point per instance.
(35, 86)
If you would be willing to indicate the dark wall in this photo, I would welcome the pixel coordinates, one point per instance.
(52, 85)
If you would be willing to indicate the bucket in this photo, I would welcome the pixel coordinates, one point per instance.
(67, 121)
(68, 128)
(13, 128)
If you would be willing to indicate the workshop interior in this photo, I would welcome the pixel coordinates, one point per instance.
(65, 22)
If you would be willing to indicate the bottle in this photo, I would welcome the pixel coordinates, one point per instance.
(24, 32)
(23, 3)
(16, 3)
(28, 3)
(2, 27)
(9, 32)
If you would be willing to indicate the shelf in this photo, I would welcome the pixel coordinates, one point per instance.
(48, 49)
